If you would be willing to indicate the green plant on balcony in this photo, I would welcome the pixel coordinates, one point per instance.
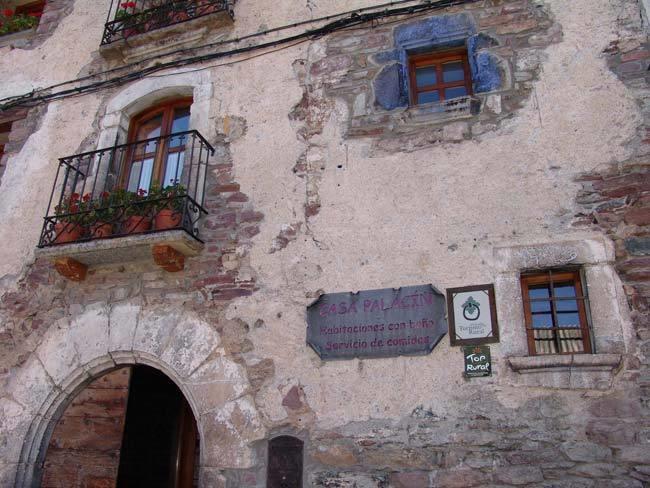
(136, 208)
(132, 21)
(11, 22)
(99, 215)
(69, 219)
(168, 205)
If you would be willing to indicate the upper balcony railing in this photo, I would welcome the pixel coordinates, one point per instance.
(128, 18)
(146, 186)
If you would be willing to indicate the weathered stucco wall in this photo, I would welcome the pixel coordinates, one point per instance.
(299, 205)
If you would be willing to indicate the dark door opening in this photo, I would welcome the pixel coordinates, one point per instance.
(160, 436)
(129, 428)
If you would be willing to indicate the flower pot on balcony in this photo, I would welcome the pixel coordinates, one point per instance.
(136, 224)
(167, 218)
(67, 232)
(100, 230)
(176, 17)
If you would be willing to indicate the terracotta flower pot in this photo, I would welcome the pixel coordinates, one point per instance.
(67, 232)
(126, 33)
(167, 219)
(101, 230)
(136, 224)
(179, 16)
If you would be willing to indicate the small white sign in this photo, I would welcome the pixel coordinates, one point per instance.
(472, 315)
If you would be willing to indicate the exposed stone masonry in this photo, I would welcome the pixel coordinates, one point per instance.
(617, 201)
(218, 275)
(560, 439)
(511, 35)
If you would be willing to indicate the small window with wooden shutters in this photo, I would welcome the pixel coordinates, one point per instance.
(555, 307)
(438, 76)
(285, 463)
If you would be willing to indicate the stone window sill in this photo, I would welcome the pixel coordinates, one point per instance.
(565, 362)
(168, 249)
(409, 119)
(435, 112)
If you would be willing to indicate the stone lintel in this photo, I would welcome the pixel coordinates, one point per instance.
(565, 362)
(549, 254)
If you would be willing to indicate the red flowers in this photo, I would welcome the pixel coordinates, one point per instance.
(8, 12)
(126, 5)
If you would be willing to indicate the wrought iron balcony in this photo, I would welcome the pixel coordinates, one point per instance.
(143, 187)
(129, 18)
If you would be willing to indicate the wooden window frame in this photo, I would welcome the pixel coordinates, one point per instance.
(550, 277)
(437, 59)
(167, 109)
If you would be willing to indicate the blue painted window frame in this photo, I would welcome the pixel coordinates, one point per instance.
(429, 35)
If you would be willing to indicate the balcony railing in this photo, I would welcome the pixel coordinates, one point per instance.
(143, 187)
(129, 18)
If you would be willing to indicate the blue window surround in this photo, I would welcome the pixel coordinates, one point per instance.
(441, 32)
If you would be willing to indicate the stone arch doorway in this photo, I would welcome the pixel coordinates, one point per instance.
(130, 427)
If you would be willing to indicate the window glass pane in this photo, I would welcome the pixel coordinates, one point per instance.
(540, 307)
(149, 129)
(181, 123)
(453, 71)
(178, 141)
(426, 97)
(542, 321)
(563, 290)
(566, 305)
(139, 180)
(174, 168)
(457, 91)
(568, 319)
(538, 291)
(426, 76)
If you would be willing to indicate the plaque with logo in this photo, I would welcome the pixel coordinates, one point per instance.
(472, 315)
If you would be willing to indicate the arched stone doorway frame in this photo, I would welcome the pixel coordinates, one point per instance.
(75, 351)
(40, 431)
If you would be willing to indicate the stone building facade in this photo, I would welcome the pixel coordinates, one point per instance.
(319, 172)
